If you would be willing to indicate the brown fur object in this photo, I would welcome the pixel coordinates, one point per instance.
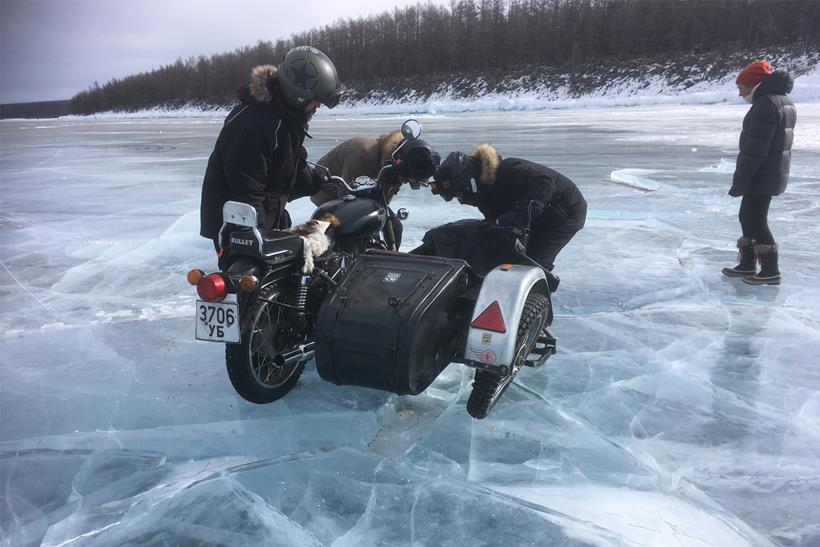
(763, 250)
(259, 82)
(488, 160)
(314, 238)
(388, 144)
(331, 219)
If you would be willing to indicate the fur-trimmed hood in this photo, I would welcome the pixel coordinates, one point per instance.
(779, 83)
(259, 87)
(263, 89)
(487, 161)
(388, 144)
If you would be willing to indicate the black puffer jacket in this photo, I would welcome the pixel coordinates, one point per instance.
(509, 185)
(766, 140)
(258, 158)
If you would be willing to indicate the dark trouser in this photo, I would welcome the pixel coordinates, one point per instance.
(754, 212)
(548, 240)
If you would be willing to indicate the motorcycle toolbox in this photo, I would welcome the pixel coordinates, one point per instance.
(387, 322)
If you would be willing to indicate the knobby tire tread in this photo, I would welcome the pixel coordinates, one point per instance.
(486, 383)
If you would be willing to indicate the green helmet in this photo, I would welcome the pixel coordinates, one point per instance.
(307, 74)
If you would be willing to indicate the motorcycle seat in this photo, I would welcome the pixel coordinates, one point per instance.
(274, 241)
(243, 242)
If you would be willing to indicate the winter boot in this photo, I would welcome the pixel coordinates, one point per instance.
(745, 259)
(768, 274)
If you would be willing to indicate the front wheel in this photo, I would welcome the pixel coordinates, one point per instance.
(488, 387)
(251, 367)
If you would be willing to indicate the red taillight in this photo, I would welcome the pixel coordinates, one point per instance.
(490, 319)
(212, 288)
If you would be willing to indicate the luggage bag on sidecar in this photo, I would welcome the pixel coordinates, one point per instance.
(484, 245)
(392, 322)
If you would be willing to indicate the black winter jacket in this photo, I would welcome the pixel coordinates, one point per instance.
(509, 185)
(766, 140)
(259, 158)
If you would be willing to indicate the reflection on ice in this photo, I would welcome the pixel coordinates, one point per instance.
(681, 408)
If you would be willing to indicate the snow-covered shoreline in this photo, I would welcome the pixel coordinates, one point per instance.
(626, 92)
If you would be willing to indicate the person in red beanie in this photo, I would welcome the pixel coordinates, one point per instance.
(762, 169)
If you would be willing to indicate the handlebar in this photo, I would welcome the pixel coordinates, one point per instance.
(365, 187)
(341, 182)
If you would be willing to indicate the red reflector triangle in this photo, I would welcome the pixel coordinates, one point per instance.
(490, 319)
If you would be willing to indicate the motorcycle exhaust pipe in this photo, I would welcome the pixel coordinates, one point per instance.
(302, 353)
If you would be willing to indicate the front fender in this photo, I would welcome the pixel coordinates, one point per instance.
(509, 285)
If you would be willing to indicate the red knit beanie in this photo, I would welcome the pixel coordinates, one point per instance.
(754, 73)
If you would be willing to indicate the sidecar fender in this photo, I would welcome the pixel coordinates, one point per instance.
(504, 291)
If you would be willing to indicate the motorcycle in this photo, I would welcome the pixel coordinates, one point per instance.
(263, 305)
(368, 315)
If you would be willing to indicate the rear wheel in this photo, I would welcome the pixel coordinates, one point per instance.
(488, 387)
(251, 367)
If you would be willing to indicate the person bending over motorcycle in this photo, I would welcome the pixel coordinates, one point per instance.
(259, 157)
(365, 156)
(503, 190)
(356, 157)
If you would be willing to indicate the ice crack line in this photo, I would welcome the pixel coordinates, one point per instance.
(24, 287)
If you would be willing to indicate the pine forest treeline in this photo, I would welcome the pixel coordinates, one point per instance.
(480, 35)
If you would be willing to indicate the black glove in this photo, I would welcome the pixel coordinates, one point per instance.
(735, 192)
(511, 218)
(321, 173)
(499, 239)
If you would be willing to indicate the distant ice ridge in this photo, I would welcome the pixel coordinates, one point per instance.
(726, 166)
(651, 91)
(647, 92)
(628, 92)
(636, 178)
(807, 86)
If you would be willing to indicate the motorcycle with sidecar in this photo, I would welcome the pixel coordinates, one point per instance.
(369, 316)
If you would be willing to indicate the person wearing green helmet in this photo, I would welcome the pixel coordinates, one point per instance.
(259, 156)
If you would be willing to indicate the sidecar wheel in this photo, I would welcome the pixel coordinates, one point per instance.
(250, 363)
(488, 387)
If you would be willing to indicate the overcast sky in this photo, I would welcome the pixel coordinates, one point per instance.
(51, 49)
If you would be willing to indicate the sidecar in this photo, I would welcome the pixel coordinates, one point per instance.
(397, 320)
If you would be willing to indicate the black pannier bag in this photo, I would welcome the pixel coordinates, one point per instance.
(390, 325)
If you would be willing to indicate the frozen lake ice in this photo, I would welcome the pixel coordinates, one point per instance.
(683, 408)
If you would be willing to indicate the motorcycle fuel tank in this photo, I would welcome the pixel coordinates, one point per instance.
(358, 216)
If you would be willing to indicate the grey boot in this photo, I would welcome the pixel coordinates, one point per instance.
(769, 274)
(745, 259)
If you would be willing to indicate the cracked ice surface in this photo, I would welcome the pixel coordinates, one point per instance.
(682, 408)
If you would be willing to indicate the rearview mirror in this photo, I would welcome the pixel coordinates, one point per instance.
(411, 129)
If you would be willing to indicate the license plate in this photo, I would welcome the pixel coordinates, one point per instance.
(217, 321)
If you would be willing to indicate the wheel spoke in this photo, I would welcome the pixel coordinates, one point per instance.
(263, 346)
(258, 340)
(267, 317)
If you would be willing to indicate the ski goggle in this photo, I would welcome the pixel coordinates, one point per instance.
(456, 176)
(332, 99)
